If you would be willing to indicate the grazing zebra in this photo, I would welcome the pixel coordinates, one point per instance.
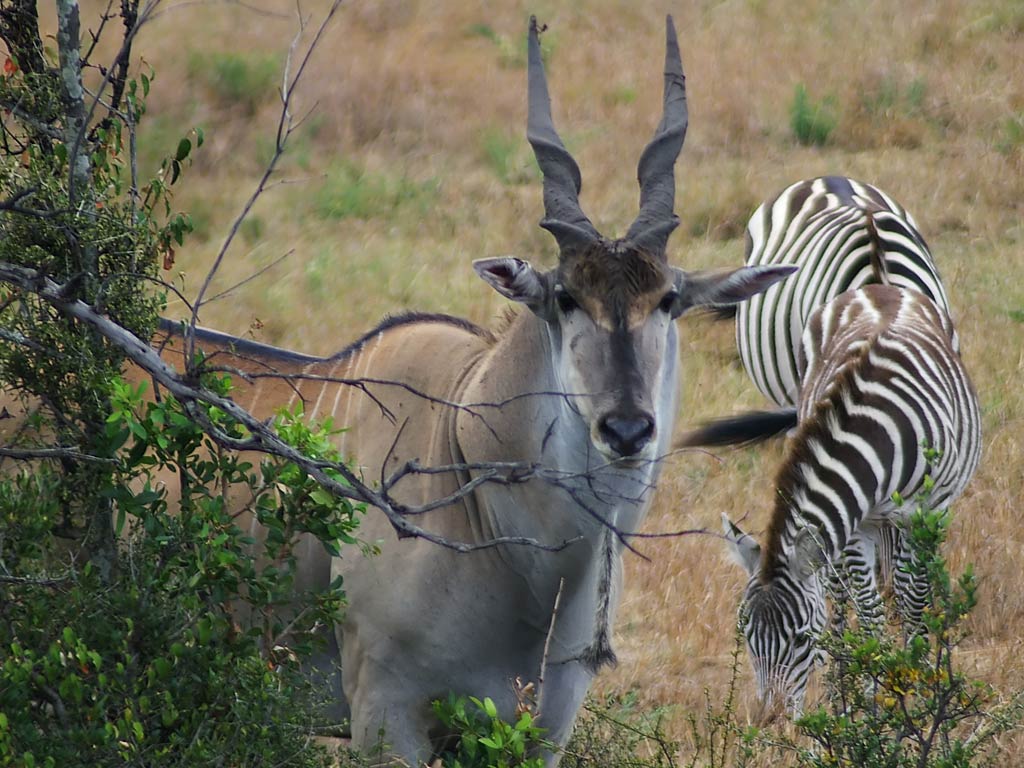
(881, 379)
(842, 234)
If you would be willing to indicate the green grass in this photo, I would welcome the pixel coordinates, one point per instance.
(243, 79)
(508, 156)
(351, 192)
(890, 96)
(811, 122)
(1011, 134)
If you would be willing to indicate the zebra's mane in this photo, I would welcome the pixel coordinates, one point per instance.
(815, 429)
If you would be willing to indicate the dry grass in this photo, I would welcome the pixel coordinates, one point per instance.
(407, 94)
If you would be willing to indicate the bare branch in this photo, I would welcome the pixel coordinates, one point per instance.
(251, 8)
(133, 23)
(36, 581)
(14, 337)
(33, 122)
(262, 437)
(547, 648)
(12, 204)
(56, 452)
(104, 18)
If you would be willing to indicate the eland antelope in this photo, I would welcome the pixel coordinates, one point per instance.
(880, 380)
(581, 381)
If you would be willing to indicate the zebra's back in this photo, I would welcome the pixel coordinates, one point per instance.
(843, 234)
(882, 382)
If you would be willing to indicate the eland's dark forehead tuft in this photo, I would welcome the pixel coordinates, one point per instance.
(614, 273)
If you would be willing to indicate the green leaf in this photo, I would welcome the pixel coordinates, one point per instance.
(184, 147)
(490, 708)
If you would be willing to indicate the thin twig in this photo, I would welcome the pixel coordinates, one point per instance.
(258, 273)
(190, 3)
(36, 581)
(284, 131)
(547, 647)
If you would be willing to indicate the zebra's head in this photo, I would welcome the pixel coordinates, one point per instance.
(782, 615)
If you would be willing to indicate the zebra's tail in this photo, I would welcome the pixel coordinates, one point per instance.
(744, 429)
(879, 265)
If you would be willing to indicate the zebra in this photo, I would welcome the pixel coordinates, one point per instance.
(880, 379)
(843, 234)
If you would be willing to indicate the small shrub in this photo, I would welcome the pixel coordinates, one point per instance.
(484, 740)
(623, 95)
(511, 48)
(252, 229)
(614, 732)
(812, 123)
(903, 704)
(236, 79)
(150, 668)
(1011, 135)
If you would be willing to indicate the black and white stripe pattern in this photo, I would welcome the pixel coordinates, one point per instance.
(881, 378)
(843, 234)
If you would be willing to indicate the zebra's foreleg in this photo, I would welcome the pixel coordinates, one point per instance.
(859, 559)
(912, 588)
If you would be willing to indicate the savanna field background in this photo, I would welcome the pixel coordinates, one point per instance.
(413, 161)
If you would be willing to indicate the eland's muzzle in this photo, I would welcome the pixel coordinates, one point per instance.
(627, 435)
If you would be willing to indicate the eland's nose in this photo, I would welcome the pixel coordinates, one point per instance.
(627, 435)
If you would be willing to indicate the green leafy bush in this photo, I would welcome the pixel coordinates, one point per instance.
(152, 668)
(615, 731)
(484, 740)
(125, 567)
(896, 703)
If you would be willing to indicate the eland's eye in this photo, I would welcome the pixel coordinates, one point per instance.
(668, 302)
(566, 303)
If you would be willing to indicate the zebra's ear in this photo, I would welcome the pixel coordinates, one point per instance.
(745, 550)
(808, 553)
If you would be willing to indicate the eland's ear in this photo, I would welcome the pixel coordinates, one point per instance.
(745, 550)
(724, 287)
(514, 279)
(808, 553)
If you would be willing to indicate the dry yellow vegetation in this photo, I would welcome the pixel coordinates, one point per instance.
(413, 161)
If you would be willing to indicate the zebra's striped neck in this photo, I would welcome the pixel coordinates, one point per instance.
(825, 483)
